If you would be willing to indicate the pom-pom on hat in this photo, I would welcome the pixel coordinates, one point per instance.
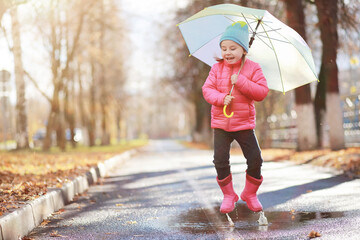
(237, 32)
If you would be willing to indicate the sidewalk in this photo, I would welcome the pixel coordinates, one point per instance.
(16, 224)
(346, 161)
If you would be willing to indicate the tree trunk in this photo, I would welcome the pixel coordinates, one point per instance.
(202, 131)
(320, 106)
(69, 92)
(60, 131)
(304, 108)
(105, 137)
(118, 116)
(244, 3)
(328, 20)
(70, 114)
(21, 136)
(84, 119)
(91, 123)
(52, 119)
(90, 119)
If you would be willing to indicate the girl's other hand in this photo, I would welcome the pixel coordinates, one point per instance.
(227, 99)
(234, 78)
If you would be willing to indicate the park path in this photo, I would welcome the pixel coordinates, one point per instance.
(170, 192)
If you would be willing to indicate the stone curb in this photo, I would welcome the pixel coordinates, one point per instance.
(15, 225)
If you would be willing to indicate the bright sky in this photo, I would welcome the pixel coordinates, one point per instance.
(144, 20)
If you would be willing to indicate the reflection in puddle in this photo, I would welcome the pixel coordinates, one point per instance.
(209, 220)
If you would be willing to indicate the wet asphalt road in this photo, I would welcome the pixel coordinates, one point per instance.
(169, 192)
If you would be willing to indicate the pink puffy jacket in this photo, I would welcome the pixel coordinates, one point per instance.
(251, 86)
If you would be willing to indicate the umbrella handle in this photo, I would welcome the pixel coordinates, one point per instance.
(232, 88)
(228, 116)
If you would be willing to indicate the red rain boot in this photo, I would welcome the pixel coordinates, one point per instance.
(249, 193)
(230, 197)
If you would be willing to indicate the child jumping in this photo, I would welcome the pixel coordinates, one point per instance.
(249, 86)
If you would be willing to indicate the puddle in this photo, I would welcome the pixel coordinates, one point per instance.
(211, 220)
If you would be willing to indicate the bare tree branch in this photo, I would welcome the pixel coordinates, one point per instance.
(6, 37)
(71, 54)
(37, 86)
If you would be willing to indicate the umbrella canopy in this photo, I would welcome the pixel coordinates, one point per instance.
(282, 53)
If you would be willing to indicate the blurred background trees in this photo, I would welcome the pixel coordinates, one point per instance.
(99, 72)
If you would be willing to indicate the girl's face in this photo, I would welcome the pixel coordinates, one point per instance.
(231, 52)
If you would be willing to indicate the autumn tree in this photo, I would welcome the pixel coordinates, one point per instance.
(97, 74)
(87, 89)
(61, 41)
(105, 135)
(21, 135)
(189, 77)
(328, 91)
(304, 107)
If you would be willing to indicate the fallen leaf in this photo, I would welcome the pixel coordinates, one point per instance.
(55, 234)
(28, 238)
(314, 234)
(59, 212)
(45, 222)
(130, 222)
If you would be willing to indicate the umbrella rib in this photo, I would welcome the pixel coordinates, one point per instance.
(264, 42)
(252, 30)
(273, 38)
(272, 30)
(277, 60)
(293, 46)
(255, 32)
(225, 15)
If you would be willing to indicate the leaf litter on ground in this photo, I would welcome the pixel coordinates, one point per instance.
(27, 175)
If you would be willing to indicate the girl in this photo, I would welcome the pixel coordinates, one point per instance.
(249, 86)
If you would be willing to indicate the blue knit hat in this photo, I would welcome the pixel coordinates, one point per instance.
(237, 32)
